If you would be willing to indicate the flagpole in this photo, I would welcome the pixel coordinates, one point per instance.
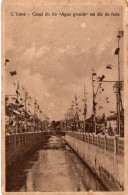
(84, 108)
(118, 110)
(17, 118)
(75, 114)
(37, 118)
(76, 117)
(25, 111)
(94, 105)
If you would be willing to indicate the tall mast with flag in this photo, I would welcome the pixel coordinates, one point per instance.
(17, 117)
(94, 104)
(76, 115)
(26, 95)
(117, 52)
(85, 110)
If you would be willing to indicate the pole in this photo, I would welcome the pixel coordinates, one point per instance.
(25, 112)
(118, 111)
(35, 114)
(84, 109)
(94, 112)
(76, 115)
(37, 118)
(17, 117)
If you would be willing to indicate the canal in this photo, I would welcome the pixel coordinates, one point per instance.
(53, 168)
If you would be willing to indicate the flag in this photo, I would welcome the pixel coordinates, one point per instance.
(100, 107)
(21, 106)
(12, 73)
(17, 92)
(16, 101)
(117, 51)
(26, 94)
(101, 78)
(6, 60)
(120, 34)
(112, 111)
(98, 78)
(100, 85)
(18, 86)
(109, 66)
(75, 98)
(93, 72)
(107, 99)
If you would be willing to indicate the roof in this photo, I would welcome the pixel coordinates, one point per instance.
(114, 116)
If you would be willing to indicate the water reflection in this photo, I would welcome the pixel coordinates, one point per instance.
(55, 167)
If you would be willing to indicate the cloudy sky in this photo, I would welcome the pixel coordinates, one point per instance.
(53, 55)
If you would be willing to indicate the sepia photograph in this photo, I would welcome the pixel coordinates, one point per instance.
(63, 91)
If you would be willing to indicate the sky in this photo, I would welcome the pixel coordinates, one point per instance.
(53, 56)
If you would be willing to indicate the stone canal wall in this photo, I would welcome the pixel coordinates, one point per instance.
(18, 145)
(103, 154)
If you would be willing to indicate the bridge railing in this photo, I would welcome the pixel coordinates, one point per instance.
(20, 138)
(113, 144)
(120, 146)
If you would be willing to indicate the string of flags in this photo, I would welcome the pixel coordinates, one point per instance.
(16, 101)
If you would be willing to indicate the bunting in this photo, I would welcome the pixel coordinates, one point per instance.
(12, 73)
(101, 78)
(120, 34)
(112, 111)
(17, 102)
(6, 60)
(100, 107)
(109, 66)
(75, 98)
(117, 51)
(17, 92)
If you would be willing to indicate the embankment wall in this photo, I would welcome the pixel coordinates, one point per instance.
(19, 145)
(108, 166)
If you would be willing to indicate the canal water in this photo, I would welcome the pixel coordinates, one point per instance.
(53, 168)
